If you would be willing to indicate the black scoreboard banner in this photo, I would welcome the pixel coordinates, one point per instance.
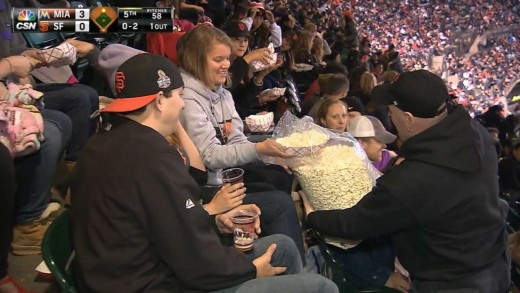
(93, 20)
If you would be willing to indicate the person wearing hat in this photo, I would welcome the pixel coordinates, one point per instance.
(244, 85)
(373, 137)
(440, 205)
(262, 27)
(139, 221)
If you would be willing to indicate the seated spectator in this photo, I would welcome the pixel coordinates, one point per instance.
(244, 85)
(211, 121)
(509, 172)
(422, 204)
(76, 100)
(333, 114)
(146, 193)
(314, 88)
(373, 137)
(32, 212)
(332, 87)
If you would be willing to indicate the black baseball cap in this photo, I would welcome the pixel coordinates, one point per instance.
(236, 29)
(140, 78)
(419, 92)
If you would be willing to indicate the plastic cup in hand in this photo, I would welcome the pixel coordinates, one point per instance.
(233, 175)
(244, 229)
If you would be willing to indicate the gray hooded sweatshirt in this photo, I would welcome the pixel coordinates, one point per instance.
(211, 121)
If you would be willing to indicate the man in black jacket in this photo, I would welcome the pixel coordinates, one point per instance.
(440, 205)
(137, 223)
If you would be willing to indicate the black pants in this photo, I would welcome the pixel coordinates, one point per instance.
(496, 278)
(7, 188)
(272, 177)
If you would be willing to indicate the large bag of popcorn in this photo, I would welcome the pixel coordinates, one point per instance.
(332, 167)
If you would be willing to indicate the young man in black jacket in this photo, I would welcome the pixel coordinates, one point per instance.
(440, 205)
(137, 223)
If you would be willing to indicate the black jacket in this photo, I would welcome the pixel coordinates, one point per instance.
(440, 205)
(509, 174)
(137, 222)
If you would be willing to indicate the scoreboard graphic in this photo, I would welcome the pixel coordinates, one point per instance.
(93, 20)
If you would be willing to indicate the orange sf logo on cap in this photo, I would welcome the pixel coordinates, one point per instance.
(241, 26)
(120, 81)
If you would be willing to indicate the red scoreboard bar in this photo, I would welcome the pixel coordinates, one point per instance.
(93, 20)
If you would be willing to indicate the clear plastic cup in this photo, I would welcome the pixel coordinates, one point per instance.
(244, 229)
(233, 176)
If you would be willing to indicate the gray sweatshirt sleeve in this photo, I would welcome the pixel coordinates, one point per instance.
(237, 151)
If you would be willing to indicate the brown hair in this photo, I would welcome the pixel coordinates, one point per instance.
(193, 48)
(332, 83)
(367, 83)
(317, 48)
(310, 27)
(324, 108)
(302, 43)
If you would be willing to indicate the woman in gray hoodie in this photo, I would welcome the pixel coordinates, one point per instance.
(211, 121)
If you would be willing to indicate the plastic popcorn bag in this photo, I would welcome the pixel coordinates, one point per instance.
(259, 65)
(332, 168)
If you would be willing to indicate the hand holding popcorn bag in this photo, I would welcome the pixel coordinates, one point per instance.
(259, 65)
(332, 168)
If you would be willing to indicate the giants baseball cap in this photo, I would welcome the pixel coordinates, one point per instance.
(419, 92)
(140, 78)
(370, 126)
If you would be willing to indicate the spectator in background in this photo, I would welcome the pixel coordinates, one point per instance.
(509, 172)
(34, 171)
(244, 85)
(333, 114)
(332, 87)
(373, 137)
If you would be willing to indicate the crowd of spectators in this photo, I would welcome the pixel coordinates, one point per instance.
(423, 29)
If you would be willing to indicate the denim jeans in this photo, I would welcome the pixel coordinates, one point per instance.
(34, 173)
(293, 280)
(369, 264)
(7, 186)
(278, 216)
(78, 101)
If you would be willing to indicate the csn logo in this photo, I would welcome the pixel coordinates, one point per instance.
(26, 18)
(26, 26)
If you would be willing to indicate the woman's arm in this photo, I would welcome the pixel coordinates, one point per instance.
(187, 145)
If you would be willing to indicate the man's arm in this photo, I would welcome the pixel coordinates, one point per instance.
(378, 212)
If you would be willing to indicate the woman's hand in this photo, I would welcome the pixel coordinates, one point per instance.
(261, 54)
(271, 148)
(227, 198)
(20, 66)
(266, 97)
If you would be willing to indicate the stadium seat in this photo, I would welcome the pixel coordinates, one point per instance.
(58, 252)
(42, 40)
